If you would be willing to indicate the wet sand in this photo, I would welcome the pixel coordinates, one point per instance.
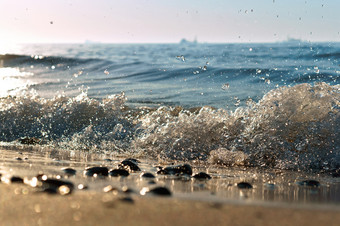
(20, 206)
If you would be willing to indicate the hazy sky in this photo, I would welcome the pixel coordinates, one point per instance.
(168, 20)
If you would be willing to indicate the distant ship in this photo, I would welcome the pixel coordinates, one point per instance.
(186, 42)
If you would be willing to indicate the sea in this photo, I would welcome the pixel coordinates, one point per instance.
(262, 105)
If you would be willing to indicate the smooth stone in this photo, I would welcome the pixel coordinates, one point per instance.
(97, 170)
(51, 182)
(69, 171)
(60, 186)
(176, 170)
(160, 191)
(202, 175)
(147, 175)
(49, 190)
(244, 185)
(129, 165)
(119, 172)
(132, 160)
(82, 187)
(15, 179)
(18, 158)
(309, 183)
(109, 188)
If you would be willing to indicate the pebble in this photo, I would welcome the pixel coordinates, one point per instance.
(202, 175)
(177, 170)
(133, 160)
(119, 172)
(18, 158)
(244, 185)
(51, 185)
(129, 165)
(96, 171)
(147, 175)
(309, 183)
(13, 179)
(56, 182)
(69, 171)
(109, 188)
(160, 191)
(82, 187)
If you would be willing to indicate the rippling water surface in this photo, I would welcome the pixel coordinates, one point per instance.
(264, 105)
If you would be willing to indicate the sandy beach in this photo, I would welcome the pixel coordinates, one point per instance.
(189, 204)
(21, 206)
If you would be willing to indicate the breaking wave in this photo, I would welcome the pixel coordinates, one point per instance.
(289, 128)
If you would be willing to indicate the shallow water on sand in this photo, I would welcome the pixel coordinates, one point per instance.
(269, 186)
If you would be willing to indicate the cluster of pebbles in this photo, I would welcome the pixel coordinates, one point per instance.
(61, 185)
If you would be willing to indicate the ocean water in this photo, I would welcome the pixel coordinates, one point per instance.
(264, 105)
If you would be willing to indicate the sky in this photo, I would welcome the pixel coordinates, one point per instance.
(167, 21)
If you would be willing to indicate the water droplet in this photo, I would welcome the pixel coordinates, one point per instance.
(181, 57)
(225, 86)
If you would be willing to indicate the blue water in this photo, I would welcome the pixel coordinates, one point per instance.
(274, 105)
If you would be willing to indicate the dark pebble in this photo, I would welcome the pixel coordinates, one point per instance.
(202, 176)
(309, 183)
(160, 191)
(18, 158)
(15, 179)
(119, 172)
(176, 170)
(60, 186)
(69, 171)
(244, 185)
(129, 165)
(132, 160)
(99, 171)
(147, 175)
(50, 190)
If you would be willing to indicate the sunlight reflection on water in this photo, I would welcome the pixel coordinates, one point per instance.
(12, 80)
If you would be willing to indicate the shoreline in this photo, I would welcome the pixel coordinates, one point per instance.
(20, 206)
(217, 201)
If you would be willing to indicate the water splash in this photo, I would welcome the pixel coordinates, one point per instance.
(289, 128)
